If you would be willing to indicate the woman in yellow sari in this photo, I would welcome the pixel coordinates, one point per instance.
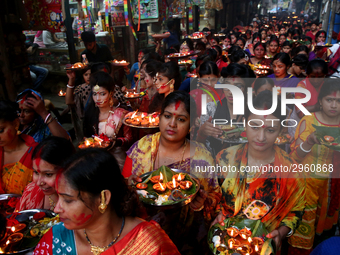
(322, 196)
(170, 147)
(259, 185)
(15, 151)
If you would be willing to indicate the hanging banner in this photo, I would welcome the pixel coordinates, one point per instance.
(117, 16)
(44, 15)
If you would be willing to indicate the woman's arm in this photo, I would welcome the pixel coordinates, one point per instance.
(37, 104)
(69, 98)
(127, 137)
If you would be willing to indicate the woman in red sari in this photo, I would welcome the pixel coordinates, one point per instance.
(98, 212)
(47, 159)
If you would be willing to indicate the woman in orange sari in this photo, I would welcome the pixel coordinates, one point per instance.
(252, 190)
(47, 158)
(98, 212)
(15, 151)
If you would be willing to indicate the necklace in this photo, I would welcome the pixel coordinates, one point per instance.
(96, 250)
(52, 203)
(185, 145)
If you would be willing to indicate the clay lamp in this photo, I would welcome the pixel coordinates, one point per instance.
(157, 178)
(245, 233)
(172, 184)
(233, 243)
(141, 185)
(184, 185)
(232, 231)
(18, 228)
(159, 187)
(179, 177)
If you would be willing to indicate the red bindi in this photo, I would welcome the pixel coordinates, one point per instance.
(177, 104)
(334, 94)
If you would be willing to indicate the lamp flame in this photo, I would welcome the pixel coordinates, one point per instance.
(174, 182)
(87, 143)
(249, 239)
(256, 248)
(161, 177)
(160, 184)
(187, 186)
(13, 229)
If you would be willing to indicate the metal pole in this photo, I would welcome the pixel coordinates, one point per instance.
(331, 26)
(326, 17)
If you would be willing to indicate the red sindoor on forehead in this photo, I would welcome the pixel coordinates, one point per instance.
(177, 104)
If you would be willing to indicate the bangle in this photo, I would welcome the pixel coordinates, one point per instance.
(69, 86)
(290, 233)
(304, 149)
(48, 115)
(49, 121)
(199, 209)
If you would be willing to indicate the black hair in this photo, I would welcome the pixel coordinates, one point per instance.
(205, 29)
(274, 39)
(287, 43)
(170, 24)
(171, 71)
(182, 96)
(91, 115)
(260, 44)
(317, 63)
(188, 42)
(241, 39)
(144, 51)
(217, 39)
(282, 57)
(200, 59)
(88, 36)
(244, 36)
(330, 86)
(152, 67)
(201, 46)
(260, 32)
(223, 25)
(264, 100)
(300, 60)
(237, 55)
(298, 49)
(212, 53)
(153, 55)
(315, 22)
(256, 35)
(8, 111)
(296, 31)
(100, 66)
(218, 49)
(259, 82)
(93, 170)
(207, 68)
(238, 70)
(319, 33)
(54, 150)
(248, 32)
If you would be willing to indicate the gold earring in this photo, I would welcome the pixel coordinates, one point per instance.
(102, 207)
(171, 88)
(18, 132)
(111, 102)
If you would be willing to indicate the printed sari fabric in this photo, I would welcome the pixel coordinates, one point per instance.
(275, 198)
(322, 202)
(147, 238)
(305, 84)
(16, 176)
(185, 227)
(32, 198)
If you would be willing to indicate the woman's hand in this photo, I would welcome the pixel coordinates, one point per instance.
(199, 200)
(219, 219)
(312, 139)
(133, 179)
(278, 235)
(208, 129)
(37, 104)
(71, 77)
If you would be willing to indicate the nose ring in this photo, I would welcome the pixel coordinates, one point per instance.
(41, 183)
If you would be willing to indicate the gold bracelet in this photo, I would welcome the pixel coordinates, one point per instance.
(199, 209)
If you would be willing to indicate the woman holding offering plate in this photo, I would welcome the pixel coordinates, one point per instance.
(320, 165)
(276, 198)
(170, 148)
(98, 211)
